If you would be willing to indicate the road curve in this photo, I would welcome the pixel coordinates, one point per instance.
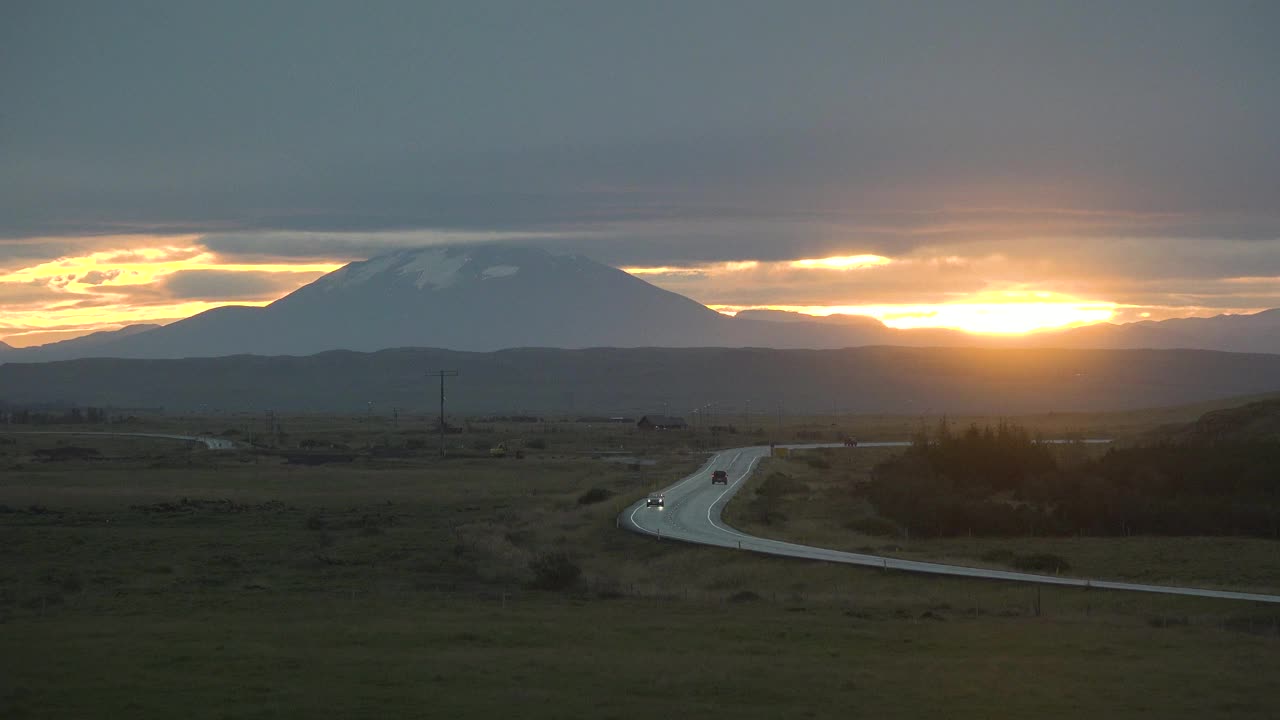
(694, 505)
(213, 443)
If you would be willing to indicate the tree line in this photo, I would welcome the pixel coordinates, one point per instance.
(1001, 481)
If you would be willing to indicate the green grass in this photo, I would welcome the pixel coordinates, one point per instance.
(400, 587)
(267, 656)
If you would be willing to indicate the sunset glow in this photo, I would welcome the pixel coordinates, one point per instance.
(845, 262)
(158, 279)
(709, 269)
(1011, 315)
(144, 265)
(839, 262)
(112, 288)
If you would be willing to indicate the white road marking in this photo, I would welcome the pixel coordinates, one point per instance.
(730, 537)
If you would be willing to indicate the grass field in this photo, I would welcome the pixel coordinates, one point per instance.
(425, 656)
(153, 580)
(823, 511)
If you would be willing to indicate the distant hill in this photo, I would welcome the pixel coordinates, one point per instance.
(636, 381)
(75, 347)
(1251, 423)
(1258, 333)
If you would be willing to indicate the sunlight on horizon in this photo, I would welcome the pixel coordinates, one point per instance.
(112, 288)
(992, 317)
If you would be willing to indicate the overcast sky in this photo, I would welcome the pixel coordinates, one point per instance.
(1118, 152)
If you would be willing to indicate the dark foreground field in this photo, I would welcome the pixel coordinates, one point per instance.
(150, 581)
(271, 655)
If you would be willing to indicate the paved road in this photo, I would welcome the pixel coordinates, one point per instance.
(213, 443)
(694, 505)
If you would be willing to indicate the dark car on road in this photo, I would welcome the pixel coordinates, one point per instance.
(657, 501)
(719, 477)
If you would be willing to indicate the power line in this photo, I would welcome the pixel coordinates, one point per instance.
(442, 374)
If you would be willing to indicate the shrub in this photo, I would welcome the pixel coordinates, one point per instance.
(594, 495)
(536, 444)
(999, 555)
(554, 571)
(65, 452)
(779, 484)
(1041, 562)
(744, 596)
(874, 525)
(763, 510)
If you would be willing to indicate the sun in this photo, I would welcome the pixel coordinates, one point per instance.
(1010, 313)
(1013, 318)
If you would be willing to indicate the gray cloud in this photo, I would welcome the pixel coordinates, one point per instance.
(26, 294)
(1124, 151)
(231, 284)
(97, 277)
(325, 116)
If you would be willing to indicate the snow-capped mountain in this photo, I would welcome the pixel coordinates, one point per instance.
(463, 298)
(478, 298)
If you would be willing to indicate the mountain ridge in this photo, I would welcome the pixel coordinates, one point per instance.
(636, 380)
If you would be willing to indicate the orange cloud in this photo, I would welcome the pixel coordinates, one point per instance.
(841, 262)
(695, 270)
(110, 287)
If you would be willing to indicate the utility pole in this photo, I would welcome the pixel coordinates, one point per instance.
(442, 374)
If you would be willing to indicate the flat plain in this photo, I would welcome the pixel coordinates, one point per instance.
(352, 572)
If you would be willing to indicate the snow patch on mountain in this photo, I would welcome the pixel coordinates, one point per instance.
(498, 271)
(361, 272)
(435, 268)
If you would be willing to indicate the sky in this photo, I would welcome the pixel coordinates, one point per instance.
(994, 166)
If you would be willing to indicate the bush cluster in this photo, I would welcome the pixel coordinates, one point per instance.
(554, 571)
(999, 481)
(594, 495)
